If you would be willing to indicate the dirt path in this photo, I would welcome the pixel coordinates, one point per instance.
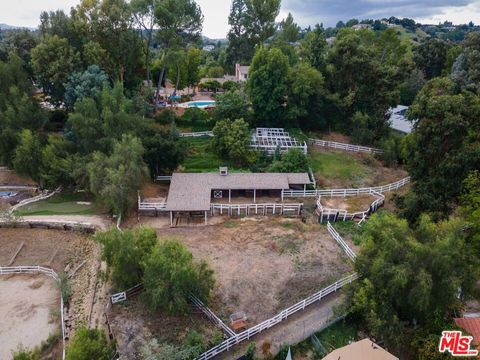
(293, 330)
(100, 222)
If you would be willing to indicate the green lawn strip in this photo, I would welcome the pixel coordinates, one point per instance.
(65, 203)
(335, 165)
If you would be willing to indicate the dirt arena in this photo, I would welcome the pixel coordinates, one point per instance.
(30, 312)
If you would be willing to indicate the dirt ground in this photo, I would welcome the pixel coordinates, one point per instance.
(263, 265)
(351, 203)
(9, 177)
(29, 309)
(64, 252)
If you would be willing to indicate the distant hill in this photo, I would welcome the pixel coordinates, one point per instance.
(13, 27)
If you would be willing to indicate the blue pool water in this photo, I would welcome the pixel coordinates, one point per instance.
(201, 103)
(4, 194)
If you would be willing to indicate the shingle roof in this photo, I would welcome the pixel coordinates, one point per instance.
(364, 349)
(472, 326)
(192, 191)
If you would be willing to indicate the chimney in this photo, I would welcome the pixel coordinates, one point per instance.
(223, 170)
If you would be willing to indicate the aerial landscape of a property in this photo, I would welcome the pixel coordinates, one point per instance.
(239, 180)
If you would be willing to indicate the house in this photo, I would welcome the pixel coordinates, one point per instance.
(361, 26)
(364, 349)
(472, 326)
(197, 194)
(209, 47)
(241, 72)
(399, 121)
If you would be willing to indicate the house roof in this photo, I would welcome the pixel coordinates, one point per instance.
(364, 349)
(472, 326)
(192, 191)
(398, 121)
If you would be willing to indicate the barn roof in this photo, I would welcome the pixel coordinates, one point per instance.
(192, 191)
(364, 349)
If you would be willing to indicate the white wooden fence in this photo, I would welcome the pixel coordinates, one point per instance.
(343, 215)
(8, 270)
(345, 192)
(283, 315)
(211, 315)
(257, 209)
(346, 147)
(40, 197)
(151, 206)
(341, 242)
(196, 134)
(18, 187)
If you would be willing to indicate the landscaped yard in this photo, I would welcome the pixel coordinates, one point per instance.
(64, 203)
(200, 156)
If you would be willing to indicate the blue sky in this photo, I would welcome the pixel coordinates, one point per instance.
(306, 12)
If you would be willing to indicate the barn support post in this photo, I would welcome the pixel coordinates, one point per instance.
(205, 218)
(171, 218)
(254, 195)
(229, 195)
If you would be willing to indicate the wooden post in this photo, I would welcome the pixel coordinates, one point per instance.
(254, 195)
(171, 218)
(205, 218)
(229, 195)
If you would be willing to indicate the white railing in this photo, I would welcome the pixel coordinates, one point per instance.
(341, 242)
(271, 148)
(8, 270)
(18, 187)
(346, 147)
(211, 315)
(257, 209)
(40, 197)
(151, 206)
(345, 192)
(281, 316)
(344, 215)
(196, 134)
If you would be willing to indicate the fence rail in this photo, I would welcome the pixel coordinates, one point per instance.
(18, 187)
(7, 270)
(211, 315)
(40, 197)
(341, 242)
(346, 147)
(283, 315)
(257, 209)
(345, 192)
(196, 134)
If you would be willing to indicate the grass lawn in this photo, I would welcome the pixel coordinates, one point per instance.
(65, 203)
(336, 165)
(200, 157)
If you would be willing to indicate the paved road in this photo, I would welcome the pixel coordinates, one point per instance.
(293, 330)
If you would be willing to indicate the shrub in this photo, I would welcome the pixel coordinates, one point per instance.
(194, 116)
(165, 117)
(294, 160)
(125, 253)
(171, 276)
(64, 287)
(88, 344)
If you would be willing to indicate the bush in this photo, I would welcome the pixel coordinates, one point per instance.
(125, 254)
(230, 85)
(231, 141)
(88, 344)
(194, 116)
(24, 354)
(165, 117)
(171, 276)
(64, 287)
(294, 160)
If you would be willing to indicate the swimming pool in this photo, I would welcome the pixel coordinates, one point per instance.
(5, 194)
(199, 104)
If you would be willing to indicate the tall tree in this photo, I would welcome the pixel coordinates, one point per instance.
(268, 86)
(180, 23)
(430, 57)
(444, 147)
(289, 31)
(313, 47)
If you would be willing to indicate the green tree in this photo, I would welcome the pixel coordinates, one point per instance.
(438, 167)
(313, 48)
(268, 87)
(125, 253)
(293, 161)
(171, 276)
(53, 61)
(466, 68)
(231, 105)
(28, 155)
(231, 141)
(83, 85)
(193, 66)
(115, 179)
(89, 344)
(307, 96)
(289, 30)
(430, 57)
(58, 162)
(410, 276)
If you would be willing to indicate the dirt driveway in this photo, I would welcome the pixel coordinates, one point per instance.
(29, 309)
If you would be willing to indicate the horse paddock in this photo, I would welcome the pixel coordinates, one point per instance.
(30, 312)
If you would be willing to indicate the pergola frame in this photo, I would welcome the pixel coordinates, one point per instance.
(269, 139)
